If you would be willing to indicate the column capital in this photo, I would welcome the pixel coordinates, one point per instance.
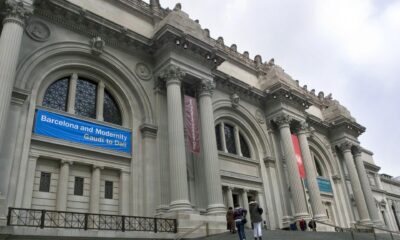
(16, 12)
(345, 146)
(357, 150)
(206, 87)
(172, 74)
(283, 120)
(149, 130)
(303, 128)
(63, 161)
(97, 167)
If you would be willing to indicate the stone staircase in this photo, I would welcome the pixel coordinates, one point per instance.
(298, 235)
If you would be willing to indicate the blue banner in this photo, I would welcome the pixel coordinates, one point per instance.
(79, 131)
(324, 185)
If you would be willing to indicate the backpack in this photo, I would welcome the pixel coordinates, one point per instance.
(260, 210)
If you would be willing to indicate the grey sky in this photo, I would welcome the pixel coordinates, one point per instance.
(349, 48)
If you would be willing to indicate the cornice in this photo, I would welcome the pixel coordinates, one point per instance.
(347, 125)
(280, 92)
(371, 166)
(87, 23)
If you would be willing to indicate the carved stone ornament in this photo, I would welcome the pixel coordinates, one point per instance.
(235, 99)
(282, 120)
(207, 87)
(345, 146)
(97, 45)
(16, 10)
(38, 31)
(143, 71)
(303, 127)
(357, 150)
(172, 72)
(259, 116)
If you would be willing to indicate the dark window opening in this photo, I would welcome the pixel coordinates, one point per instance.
(111, 112)
(44, 185)
(108, 191)
(230, 138)
(85, 98)
(218, 137)
(78, 187)
(56, 95)
(235, 199)
(318, 167)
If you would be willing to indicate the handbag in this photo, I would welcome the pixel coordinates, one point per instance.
(244, 220)
(260, 210)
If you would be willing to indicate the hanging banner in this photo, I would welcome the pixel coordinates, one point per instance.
(297, 152)
(191, 124)
(55, 125)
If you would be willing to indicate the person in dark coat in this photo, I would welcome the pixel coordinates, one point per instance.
(312, 225)
(240, 220)
(230, 220)
(256, 218)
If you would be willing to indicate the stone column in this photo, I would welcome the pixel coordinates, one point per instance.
(237, 141)
(62, 189)
(222, 135)
(124, 193)
(176, 142)
(366, 188)
(246, 206)
(295, 184)
(100, 101)
(73, 81)
(230, 197)
(313, 188)
(94, 205)
(355, 184)
(212, 179)
(29, 181)
(10, 44)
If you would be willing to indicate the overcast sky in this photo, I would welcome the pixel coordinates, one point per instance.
(348, 47)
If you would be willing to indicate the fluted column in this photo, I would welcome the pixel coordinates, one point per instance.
(94, 206)
(355, 183)
(62, 189)
(176, 142)
(246, 205)
(296, 186)
(124, 193)
(366, 188)
(212, 179)
(313, 188)
(230, 197)
(10, 44)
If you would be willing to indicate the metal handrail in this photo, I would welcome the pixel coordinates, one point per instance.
(192, 230)
(343, 229)
(378, 228)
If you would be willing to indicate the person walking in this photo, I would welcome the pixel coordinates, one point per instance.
(240, 220)
(256, 219)
(230, 220)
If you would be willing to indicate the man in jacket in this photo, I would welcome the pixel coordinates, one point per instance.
(256, 219)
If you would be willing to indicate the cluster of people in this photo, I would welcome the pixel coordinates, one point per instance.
(236, 220)
(302, 225)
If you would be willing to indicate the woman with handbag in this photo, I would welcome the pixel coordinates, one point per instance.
(240, 220)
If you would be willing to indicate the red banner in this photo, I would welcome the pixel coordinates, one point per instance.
(192, 124)
(299, 159)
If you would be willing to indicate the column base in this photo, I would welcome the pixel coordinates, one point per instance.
(180, 205)
(299, 216)
(286, 221)
(366, 222)
(321, 217)
(162, 209)
(377, 223)
(216, 209)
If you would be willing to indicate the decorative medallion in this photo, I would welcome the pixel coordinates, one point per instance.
(143, 71)
(260, 116)
(97, 44)
(38, 31)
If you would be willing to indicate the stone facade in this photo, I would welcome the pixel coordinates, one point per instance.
(144, 59)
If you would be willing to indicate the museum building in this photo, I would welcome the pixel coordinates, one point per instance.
(123, 118)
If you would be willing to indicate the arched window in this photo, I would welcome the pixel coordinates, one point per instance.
(231, 140)
(85, 101)
(318, 167)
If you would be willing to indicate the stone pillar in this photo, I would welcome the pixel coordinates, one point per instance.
(366, 188)
(222, 135)
(313, 188)
(212, 179)
(29, 181)
(176, 142)
(73, 81)
(94, 205)
(124, 193)
(10, 44)
(246, 206)
(296, 186)
(62, 189)
(237, 141)
(100, 101)
(378, 181)
(230, 197)
(355, 184)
